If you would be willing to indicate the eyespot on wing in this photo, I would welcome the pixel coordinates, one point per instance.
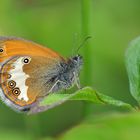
(17, 46)
(13, 73)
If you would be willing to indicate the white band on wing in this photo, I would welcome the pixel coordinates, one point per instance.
(20, 77)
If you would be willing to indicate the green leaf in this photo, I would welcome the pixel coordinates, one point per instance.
(133, 67)
(85, 94)
(106, 127)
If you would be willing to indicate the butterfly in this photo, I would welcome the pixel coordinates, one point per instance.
(29, 72)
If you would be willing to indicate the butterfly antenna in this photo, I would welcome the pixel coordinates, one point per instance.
(82, 44)
(75, 38)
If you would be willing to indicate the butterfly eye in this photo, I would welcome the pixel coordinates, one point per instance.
(26, 60)
(11, 84)
(16, 91)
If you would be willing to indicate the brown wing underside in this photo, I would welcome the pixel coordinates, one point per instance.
(40, 70)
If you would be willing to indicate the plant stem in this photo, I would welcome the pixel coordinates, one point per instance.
(85, 29)
(86, 12)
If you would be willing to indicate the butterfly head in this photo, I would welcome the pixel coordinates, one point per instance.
(69, 74)
(76, 63)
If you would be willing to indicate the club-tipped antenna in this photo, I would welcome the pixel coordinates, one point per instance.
(82, 44)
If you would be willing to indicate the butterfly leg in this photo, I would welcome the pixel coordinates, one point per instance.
(77, 80)
(58, 81)
(40, 108)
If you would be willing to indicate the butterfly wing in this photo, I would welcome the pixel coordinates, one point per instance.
(12, 46)
(27, 70)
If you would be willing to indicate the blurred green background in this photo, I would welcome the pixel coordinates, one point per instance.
(62, 25)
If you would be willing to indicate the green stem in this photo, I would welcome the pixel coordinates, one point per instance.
(86, 16)
(85, 29)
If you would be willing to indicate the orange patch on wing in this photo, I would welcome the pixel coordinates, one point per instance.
(22, 47)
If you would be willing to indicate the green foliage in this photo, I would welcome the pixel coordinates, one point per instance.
(54, 23)
(12, 135)
(106, 127)
(85, 94)
(133, 67)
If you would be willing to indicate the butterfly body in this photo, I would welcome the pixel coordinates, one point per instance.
(30, 72)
